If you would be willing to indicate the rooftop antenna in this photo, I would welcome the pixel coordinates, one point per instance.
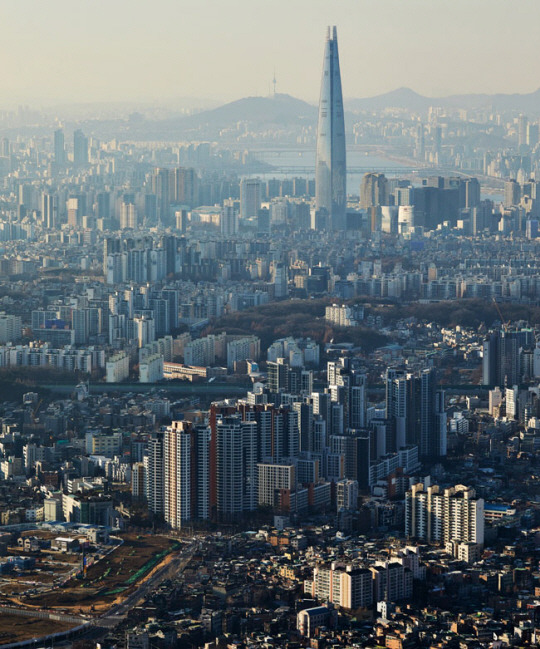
(274, 82)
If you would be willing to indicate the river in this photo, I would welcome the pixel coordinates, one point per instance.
(298, 162)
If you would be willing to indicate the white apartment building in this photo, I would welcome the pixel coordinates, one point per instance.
(241, 349)
(186, 456)
(151, 369)
(347, 494)
(10, 328)
(236, 466)
(347, 586)
(154, 470)
(117, 368)
(42, 355)
(342, 316)
(177, 455)
(455, 515)
(272, 479)
(391, 581)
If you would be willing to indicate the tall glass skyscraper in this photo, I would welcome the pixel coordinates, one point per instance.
(330, 175)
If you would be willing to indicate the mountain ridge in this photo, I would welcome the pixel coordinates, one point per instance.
(409, 99)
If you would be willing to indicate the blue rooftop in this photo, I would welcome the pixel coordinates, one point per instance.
(496, 507)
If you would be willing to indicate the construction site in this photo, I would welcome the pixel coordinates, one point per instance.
(74, 584)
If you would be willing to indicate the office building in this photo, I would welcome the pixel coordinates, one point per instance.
(49, 210)
(532, 134)
(80, 148)
(432, 416)
(59, 148)
(512, 192)
(374, 190)
(471, 193)
(502, 351)
(184, 187)
(228, 220)
(160, 188)
(103, 205)
(522, 124)
(74, 212)
(250, 197)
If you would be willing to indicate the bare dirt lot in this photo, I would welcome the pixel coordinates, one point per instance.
(14, 628)
(111, 578)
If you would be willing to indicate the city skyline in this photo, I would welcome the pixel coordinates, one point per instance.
(269, 372)
(123, 57)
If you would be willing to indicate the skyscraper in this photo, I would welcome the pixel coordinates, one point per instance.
(415, 410)
(229, 219)
(177, 454)
(432, 416)
(502, 351)
(154, 474)
(236, 467)
(330, 173)
(160, 187)
(184, 186)
(250, 197)
(80, 148)
(59, 147)
(373, 190)
(522, 123)
(49, 210)
(103, 205)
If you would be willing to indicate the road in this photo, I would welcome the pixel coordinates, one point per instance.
(182, 389)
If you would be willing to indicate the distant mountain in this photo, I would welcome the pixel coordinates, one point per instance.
(399, 98)
(282, 112)
(279, 109)
(526, 103)
(257, 113)
(410, 100)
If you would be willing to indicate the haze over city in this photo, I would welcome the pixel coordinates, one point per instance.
(270, 325)
(71, 52)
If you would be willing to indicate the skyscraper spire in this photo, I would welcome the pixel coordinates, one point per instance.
(330, 174)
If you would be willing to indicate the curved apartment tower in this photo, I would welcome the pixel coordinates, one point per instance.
(331, 171)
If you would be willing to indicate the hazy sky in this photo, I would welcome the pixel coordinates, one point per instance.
(122, 50)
